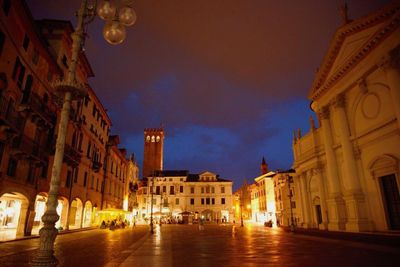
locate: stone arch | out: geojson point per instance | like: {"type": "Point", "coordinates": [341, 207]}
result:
{"type": "Point", "coordinates": [14, 207]}
{"type": "Point", "coordinates": [39, 210]}
{"type": "Point", "coordinates": [87, 214]}
{"type": "Point", "coordinates": [75, 214]}
{"type": "Point", "coordinates": [62, 211]}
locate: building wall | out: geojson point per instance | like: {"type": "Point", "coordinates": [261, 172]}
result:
{"type": "Point", "coordinates": [189, 196]}
{"type": "Point", "coordinates": [33, 55]}
{"type": "Point", "coordinates": [342, 164]}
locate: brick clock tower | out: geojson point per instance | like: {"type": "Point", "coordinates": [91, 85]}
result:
{"type": "Point", "coordinates": [153, 151]}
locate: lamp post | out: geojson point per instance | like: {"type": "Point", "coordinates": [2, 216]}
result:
{"type": "Point", "coordinates": [151, 205]}
{"type": "Point", "coordinates": [114, 33]}
{"type": "Point", "coordinates": [289, 180]}
{"type": "Point", "coordinates": [241, 207]}
{"type": "Point", "coordinates": [161, 205]}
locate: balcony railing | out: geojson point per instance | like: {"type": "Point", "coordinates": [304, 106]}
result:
{"type": "Point", "coordinates": [35, 105]}
{"type": "Point", "coordinates": [25, 146]}
{"type": "Point", "coordinates": [9, 116]}
{"type": "Point", "coordinates": [71, 155]}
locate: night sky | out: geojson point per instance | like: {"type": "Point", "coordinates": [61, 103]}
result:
{"type": "Point", "coordinates": [227, 79]}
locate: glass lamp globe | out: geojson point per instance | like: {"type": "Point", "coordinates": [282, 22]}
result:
{"type": "Point", "coordinates": [106, 11]}
{"type": "Point", "coordinates": [127, 16]}
{"type": "Point", "coordinates": [114, 32]}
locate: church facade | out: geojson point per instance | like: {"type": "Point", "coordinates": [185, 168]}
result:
{"type": "Point", "coordinates": [348, 167]}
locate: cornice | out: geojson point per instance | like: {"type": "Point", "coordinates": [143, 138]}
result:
{"type": "Point", "coordinates": [390, 13]}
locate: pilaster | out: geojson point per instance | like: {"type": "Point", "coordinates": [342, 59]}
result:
{"type": "Point", "coordinates": [334, 202]}
{"type": "Point", "coordinates": [354, 198]}
{"type": "Point", "coordinates": [321, 188]}
{"type": "Point", "coordinates": [390, 64]}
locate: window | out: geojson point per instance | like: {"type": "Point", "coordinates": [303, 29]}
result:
{"type": "Point", "coordinates": [213, 201]}
{"type": "Point", "coordinates": [6, 6]}
{"type": "Point", "coordinates": [68, 180]}
{"type": "Point", "coordinates": [31, 175]}
{"type": "Point", "coordinates": [208, 201]}
{"type": "Point", "coordinates": [64, 61]}
{"type": "Point", "coordinates": [86, 100]}
{"type": "Point", "coordinates": [181, 189]}
{"type": "Point", "coordinates": [208, 190]}
{"type": "Point", "coordinates": [12, 167]}
{"type": "Point", "coordinates": [222, 190]}
{"type": "Point", "coordinates": [25, 43]}
{"type": "Point", "coordinates": [157, 190]}
{"type": "Point", "coordinates": [222, 200]}
{"type": "Point", "coordinates": [2, 41]}
{"type": "Point", "coordinates": [202, 190]}
{"type": "Point", "coordinates": [192, 190]}
{"type": "Point", "coordinates": [88, 151]}
{"type": "Point", "coordinates": [76, 171]}
{"type": "Point", "coordinates": [43, 173]}
{"type": "Point", "coordinates": [85, 179]}
{"type": "Point", "coordinates": [192, 201]}
{"type": "Point", "coordinates": [18, 73]}
{"type": "Point", "coordinates": [164, 189]}
{"type": "Point", "coordinates": [177, 201]}
{"type": "Point", "coordinates": [171, 190]}
{"type": "Point", "coordinates": [212, 190]}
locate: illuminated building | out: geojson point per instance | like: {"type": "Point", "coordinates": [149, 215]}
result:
{"type": "Point", "coordinates": [33, 55]}
{"type": "Point", "coordinates": [178, 193]}
{"type": "Point", "coordinates": [347, 169]}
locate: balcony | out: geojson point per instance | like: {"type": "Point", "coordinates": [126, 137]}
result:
{"type": "Point", "coordinates": [10, 120]}
{"type": "Point", "coordinates": [71, 156]}
{"type": "Point", "coordinates": [39, 112]}
{"type": "Point", "coordinates": [25, 147]}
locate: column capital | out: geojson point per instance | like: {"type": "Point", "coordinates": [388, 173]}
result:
{"type": "Point", "coordinates": [324, 113]}
{"type": "Point", "coordinates": [391, 60]}
{"type": "Point", "coordinates": [339, 101]}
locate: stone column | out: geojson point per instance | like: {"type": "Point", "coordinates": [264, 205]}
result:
{"type": "Point", "coordinates": [354, 198]}
{"type": "Point", "coordinates": [305, 198]}
{"type": "Point", "coordinates": [321, 188]}
{"type": "Point", "coordinates": [335, 203]}
{"type": "Point", "coordinates": [391, 66]}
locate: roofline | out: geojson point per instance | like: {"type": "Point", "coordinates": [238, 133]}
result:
{"type": "Point", "coordinates": [387, 13]}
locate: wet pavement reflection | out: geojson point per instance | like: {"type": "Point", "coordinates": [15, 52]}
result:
{"type": "Point", "coordinates": [216, 245]}
{"type": "Point", "coordinates": [227, 245]}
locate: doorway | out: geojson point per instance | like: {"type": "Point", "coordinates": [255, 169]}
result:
{"type": "Point", "coordinates": [391, 198]}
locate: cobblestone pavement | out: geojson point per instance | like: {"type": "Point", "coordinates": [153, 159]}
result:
{"type": "Point", "coordinates": [216, 245]}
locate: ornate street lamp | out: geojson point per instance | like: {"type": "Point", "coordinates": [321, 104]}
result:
{"type": "Point", "coordinates": [114, 32]}
{"type": "Point", "coordinates": [290, 195]}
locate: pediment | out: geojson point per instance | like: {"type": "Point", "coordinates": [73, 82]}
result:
{"type": "Point", "coordinates": [352, 43]}
{"type": "Point", "coordinates": [207, 176]}
{"type": "Point", "coordinates": [350, 46]}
